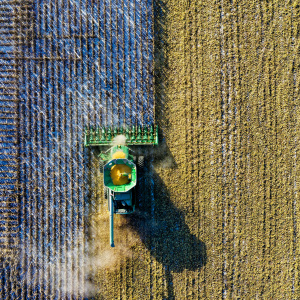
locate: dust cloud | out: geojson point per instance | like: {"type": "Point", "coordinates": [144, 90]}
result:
{"type": "Point", "coordinates": [95, 253]}
{"type": "Point", "coordinates": [119, 140]}
{"type": "Point", "coordinates": [163, 157]}
{"type": "Point", "coordinates": [101, 254]}
{"type": "Point", "coordinates": [101, 257]}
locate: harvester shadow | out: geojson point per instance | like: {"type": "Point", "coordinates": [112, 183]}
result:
{"type": "Point", "coordinates": [162, 229]}
{"type": "Point", "coordinates": [159, 223]}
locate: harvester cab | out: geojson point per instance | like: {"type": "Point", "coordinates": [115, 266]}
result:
{"type": "Point", "coordinates": [119, 170]}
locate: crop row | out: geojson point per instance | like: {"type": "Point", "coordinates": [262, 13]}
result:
{"type": "Point", "coordinates": [224, 217]}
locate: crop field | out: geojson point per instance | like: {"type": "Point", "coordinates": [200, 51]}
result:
{"type": "Point", "coordinates": [218, 214]}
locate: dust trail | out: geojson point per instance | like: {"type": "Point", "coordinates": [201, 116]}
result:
{"type": "Point", "coordinates": [163, 157]}
{"type": "Point", "coordinates": [59, 267]}
{"type": "Point", "coordinates": [100, 257]}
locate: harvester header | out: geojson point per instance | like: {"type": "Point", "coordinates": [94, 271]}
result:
{"type": "Point", "coordinates": [101, 136]}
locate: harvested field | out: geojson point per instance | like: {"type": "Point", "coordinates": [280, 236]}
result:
{"type": "Point", "coordinates": [225, 196]}
{"type": "Point", "coordinates": [218, 214]}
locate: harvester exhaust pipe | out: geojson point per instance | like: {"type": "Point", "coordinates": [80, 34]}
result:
{"type": "Point", "coordinates": [111, 221]}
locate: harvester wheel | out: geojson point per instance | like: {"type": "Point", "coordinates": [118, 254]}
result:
{"type": "Point", "coordinates": [101, 165]}
{"type": "Point", "coordinates": [140, 161]}
{"type": "Point", "coordinates": [105, 193]}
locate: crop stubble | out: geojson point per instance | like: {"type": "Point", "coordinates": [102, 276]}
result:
{"type": "Point", "coordinates": [227, 102]}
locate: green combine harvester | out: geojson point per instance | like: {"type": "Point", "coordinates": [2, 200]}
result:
{"type": "Point", "coordinates": [119, 166]}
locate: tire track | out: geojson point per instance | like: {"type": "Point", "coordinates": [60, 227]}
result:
{"type": "Point", "coordinates": [239, 153]}
{"type": "Point", "coordinates": [201, 113]}
{"type": "Point", "coordinates": [295, 15]}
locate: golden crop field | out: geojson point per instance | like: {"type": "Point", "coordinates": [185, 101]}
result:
{"type": "Point", "coordinates": [224, 222]}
